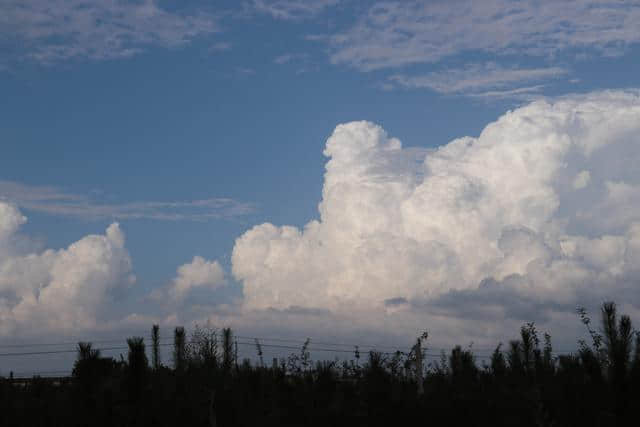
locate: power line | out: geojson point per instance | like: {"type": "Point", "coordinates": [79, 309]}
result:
{"type": "Point", "coordinates": [262, 341]}
{"type": "Point", "coordinates": [318, 342]}
{"type": "Point", "coordinates": [52, 344]}
{"type": "Point", "coordinates": [333, 350]}
{"type": "Point", "coordinates": [288, 347]}
{"type": "Point", "coordinates": [23, 375]}
{"type": "Point", "coordinates": [58, 343]}
{"type": "Point", "coordinates": [34, 353]}
{"type": "Point", "coordinates": [44, 374]}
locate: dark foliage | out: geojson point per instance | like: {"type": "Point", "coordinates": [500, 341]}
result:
{"type": "Point", "coordinates": [524, 385]}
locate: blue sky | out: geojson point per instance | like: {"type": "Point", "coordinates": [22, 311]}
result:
{"type": "Point", "coordinates": [191, 122]}
{"type": "Point", "coordinates": [185, 124]}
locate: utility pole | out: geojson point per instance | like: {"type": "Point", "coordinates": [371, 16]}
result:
{"type": "Point", "coordinates": [417, 350]}
{"type": "Point", "coordinates": [235, 353]}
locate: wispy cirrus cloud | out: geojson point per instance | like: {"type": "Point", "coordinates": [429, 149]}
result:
{"type": "Point", "coordinates": [394, 34]}
{"type": "Point", "coordinates": [220, 47]}
{"type": "Point", "coordinates": [290, 57]}
{"type": "Point", "coordinates": [53, 201]}
{"type": "Point", "coordinates": [488, 80]}
{"type": "Point", "coordinates": [293, 10]}
{"type": "Point", "coordinates": [54, 30]}
{"type": "Point", "coordinates": [526, 93]}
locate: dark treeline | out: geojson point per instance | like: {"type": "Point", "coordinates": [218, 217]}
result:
{"type": "Point", "coordinates": [523, 384]}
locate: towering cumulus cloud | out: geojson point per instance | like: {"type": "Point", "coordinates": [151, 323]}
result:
{"type": "Point", "coordinates": [58, 289]}
{"type": "Point", "coordinates": [544, 205]}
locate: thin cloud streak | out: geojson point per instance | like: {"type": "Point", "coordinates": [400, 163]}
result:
{"type": "Point", "coordinates": [527, 93]}
{"type": "Point", "coordinates": [52, 201]}
{"type": "Point", "coordinates": [293, 10]}
{"type": "Point", "coordinates": [480, 80]}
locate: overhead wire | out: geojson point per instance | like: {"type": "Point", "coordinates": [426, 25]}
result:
{"type": "Point", "coordinates": [265, 342]}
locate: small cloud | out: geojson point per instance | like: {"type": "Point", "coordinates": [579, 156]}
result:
{"type": "Point", "coordinates": [290, 57]}
{"type": "Point", "coordinates": [293, 10]}
{"type": "Point", "coordinates": [316, 37]}
{"type": "Point", "coordinates": [581, 180]}
{"type": "Point", "coordinates": [527, 93]}
{"type": "Point", "coordinates": [386, 86]}
{"type": "Point", "coordinates": [193, 283]}
{"type": "Point", "coordinates": [283, 59]}
{"type": "Point", "coordinates": [219, 47]}
{"type": "Point", "coordinates": [300, 58]}
{"type": "Point", "coordinates": [199, 273]}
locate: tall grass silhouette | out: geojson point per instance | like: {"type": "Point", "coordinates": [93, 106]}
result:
{"type": "Point", "coordinates": [523, 383]}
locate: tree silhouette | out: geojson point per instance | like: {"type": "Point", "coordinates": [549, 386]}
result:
{"type": "Point", "coordinates": [526, 385]}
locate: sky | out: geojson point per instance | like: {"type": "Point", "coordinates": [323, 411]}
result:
{"type": "Point", "coordinates": [351, 171]}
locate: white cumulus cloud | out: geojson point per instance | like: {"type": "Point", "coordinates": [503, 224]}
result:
{"type": "Point", "coordinates": [10, 220]}
{"type": "Point", "coordinates": [63, 289]}
{"type": "Point", "coordinates": [199, 273]}
{"type": "Point", "coordinates": [487, 224]}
